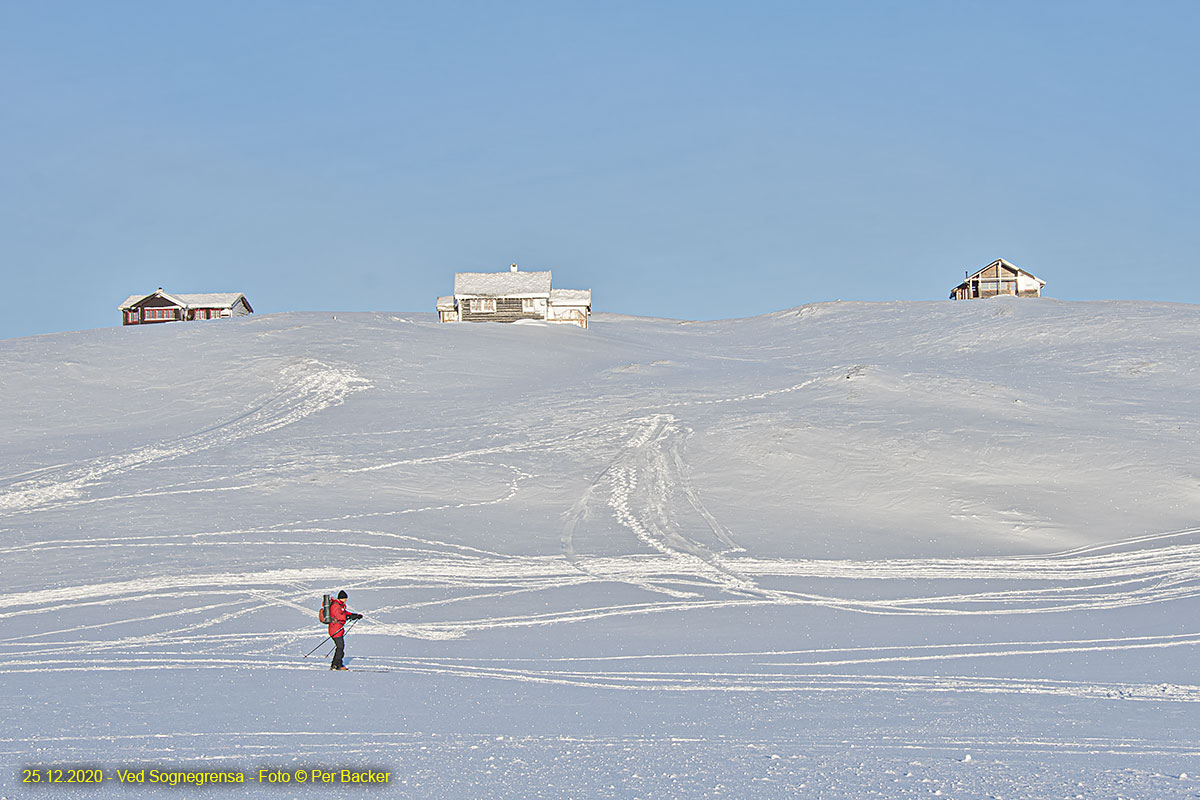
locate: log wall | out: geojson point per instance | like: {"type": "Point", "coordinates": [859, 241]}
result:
{"type": "Point", "coordinates": [508, 309]}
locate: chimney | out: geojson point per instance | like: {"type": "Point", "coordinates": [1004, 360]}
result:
{"type": "Point", "coordinates": [512, 267]}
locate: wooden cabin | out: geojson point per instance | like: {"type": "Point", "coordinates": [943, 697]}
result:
{"type": "Point", "coordinates": [997, 278]}
{"type": "Point", "coordinates": [512, 296]}
{"type": "Point", "coordinates": [159, 306]}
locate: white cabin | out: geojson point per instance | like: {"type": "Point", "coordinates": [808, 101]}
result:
{"type": "Point", "coordinates": [511, 296]}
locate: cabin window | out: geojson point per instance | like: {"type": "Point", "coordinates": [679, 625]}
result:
{"type": "Point", "coordinates": [483, 305]}
{"type": "Point", "coordinates": [529, 304]}
{"type": "Point", "coordinates": [159, 313]}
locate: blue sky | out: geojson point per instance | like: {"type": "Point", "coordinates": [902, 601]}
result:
{"type": "Point", "coordinates": [693, 160]}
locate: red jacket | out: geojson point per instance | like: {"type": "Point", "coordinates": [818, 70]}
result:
{"type": "Point", "coordinates": [337, 618]}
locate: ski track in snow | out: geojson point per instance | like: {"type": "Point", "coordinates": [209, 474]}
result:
{"type": "Point", "coordinates": [681, 571]}
{"type": "Point", "coordinates": [640, 491]}
{"type": "Point", "coordinates": [306, 388]}
{"type": "Point", "coordinates": [801, 676]}
{"type": "Point", "coordinates": [636, 488]}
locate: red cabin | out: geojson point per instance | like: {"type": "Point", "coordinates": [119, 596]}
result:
{"type": "Point", "coordinates": [158, 306]}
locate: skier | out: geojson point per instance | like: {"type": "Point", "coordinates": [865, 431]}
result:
{"type": "Point", "coordinates": [338, 615]}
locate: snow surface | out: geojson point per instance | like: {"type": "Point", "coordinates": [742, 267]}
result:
{"type": "Point", "coordinates": [846, 550]}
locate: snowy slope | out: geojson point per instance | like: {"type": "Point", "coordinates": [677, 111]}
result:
{"type": "Point", "coordinates": [829, 551]}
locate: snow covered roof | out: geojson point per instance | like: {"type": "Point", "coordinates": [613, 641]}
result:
{"type": "Point", "coordinates": [1002, 262]}
{"type": "Point", "coordinates": [570, 297]}
{"type": "Point", "coordinates": [211, 300]}
{"type": "Point", "coordinates": [445, 303]}
{"type": "Point", "coordinates": [134, 299]}
{"type": "Point", "coordinates": [502, 284]}
{"type": "Point", "coordinates": [218, 300]}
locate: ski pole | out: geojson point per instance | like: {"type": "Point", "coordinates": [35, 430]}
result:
{"type": "Point", "coordinates": [322, 644]}
{"type": "Point", "coordinates": [345, 630]}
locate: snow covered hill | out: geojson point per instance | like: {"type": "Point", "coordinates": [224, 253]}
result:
{"type": "Point", "coordinates": [845, 550]}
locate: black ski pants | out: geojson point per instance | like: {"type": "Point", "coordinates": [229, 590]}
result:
{"type": "Point", "coordinates": [339, 650]}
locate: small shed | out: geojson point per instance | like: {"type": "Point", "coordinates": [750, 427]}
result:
{"type": "Point", "coordinates": [998, 278]}
{"type": "Point", "coordinates": [160, 306]}
{"type": "Point", "coordinates": [570, 305]}
{"type": "Point", "coordinates": [446, 309]}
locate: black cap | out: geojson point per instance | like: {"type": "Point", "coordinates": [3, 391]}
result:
{"type": "Point", "coordinates": [342, 595]}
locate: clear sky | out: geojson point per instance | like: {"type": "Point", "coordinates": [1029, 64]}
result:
{"type": "Point", "coordinates": [687, 159]}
